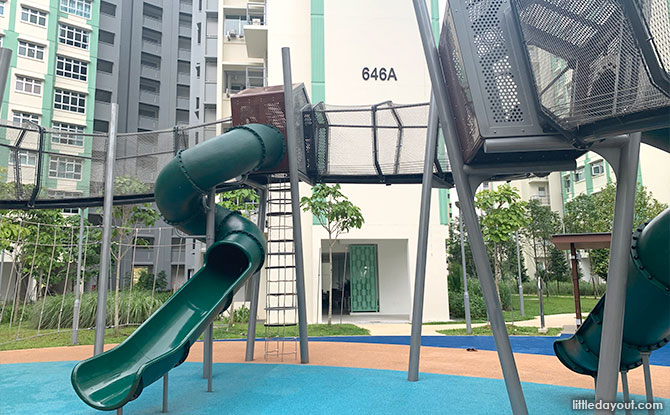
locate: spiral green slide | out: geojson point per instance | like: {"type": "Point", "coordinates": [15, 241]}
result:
{"type": "Point", "coordinates": [646, 325]}
{"type": "Point", "coordinates": [113, 378]}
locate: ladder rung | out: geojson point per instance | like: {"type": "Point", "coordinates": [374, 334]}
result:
{"type": "Point", "coordinates": [280, 325]}
{"type": "Point", "coordinates": [281, 281]}
{"type": "Point", "coordinates": [280, 240]}
{"type": "Point", "coordinates": [280, 267]}
{"type": "Point", "coordinates": [279, 294]}
{"type": "Point", "coordinates": [281, 308]}
{"type": "Point", "coordinates": [281, 253]}
{"type": "Point", "coordinates": [279, 213]}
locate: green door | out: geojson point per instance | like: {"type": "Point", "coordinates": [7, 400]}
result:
{"type": "Point", "coordinates": [363, 274]}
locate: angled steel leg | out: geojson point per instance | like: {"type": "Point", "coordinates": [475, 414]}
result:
{"type": "Point", "coordinates": [165, 393]}
{"type": "Point", "coordinates": [647, 380]}
{"type": "Point", "coordinates": [466, 198]}
{"type": "Point", "coordinates": [615, 301]}
{"type": "Point", "coordinates": [422, 244]}
{"type": "Point", "coordinates": [255, 284]}
{"type": "Point", "coordinates": [626, 393]}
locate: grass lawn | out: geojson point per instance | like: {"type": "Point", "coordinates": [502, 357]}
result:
{"type": "Point", "coordinates": [553, 305]}
{"type": "Point", "coordinates": [52, 338]}
{"type": "Point", "coordinates": [239, 331]}
{"type": "Point", "coordinates": [511, 329]}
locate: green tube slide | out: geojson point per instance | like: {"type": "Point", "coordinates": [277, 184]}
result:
{"type": "Point", "coordinates": [113, 378]}
{"type": "Point", "coordinates": [647, 318]}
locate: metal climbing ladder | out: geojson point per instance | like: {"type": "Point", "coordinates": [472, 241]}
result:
{"type": "Point", "coordinates": [281, 305]}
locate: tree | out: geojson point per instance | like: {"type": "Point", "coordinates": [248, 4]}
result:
{"type": "Point", "coordinates": [243, 201]}
{"type": "Point", "coordinates": [557, 267]}
{"type": "Point", "coordinates": [595, 213]}
{"type": "Point", "coordinates": [503, 213]}
{"type": "Point", "coordinates": [127, 217]}
{"type": "Point", "coordinates": [336, 215]}
{"type": "Point", "coordinates": [542, 224]}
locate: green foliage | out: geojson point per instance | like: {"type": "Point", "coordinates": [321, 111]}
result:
{"type": "Point", "coordinates": [455, 277]}
{"type": "Point", "coordinates": [557, 266]}
{"type": "Point", "coordinates": [595, 213]}
{"type": "Point", "coordinates": [512, 330]}
{"type": "Point", "coordinates": [44, 242]}
{"type": "Point", "coordinates": [503, 213]}
{"type": "Point", "coordinates": [563, 288]}
{"type": "Point", "coordinates": [243, 201]}
{"type": "Point", "coordinates": [338, 214]}
{"type": "Point", "coordinates": [457, 306]}
{"type": "Point", "coordinates": [505, 292]}
{"type": "Point", "coordinates": [146, 281]}
{"type": "Point", "coordinates": [135, 307]}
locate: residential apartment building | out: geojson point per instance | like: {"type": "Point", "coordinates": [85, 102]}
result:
{"type": "Point", "coordinates": [52, 82]}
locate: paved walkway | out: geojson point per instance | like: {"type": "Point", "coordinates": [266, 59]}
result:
{"type": "Point", "coordinates": [404, 329]}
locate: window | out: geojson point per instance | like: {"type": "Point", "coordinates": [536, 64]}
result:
{"type": "Point", "coordinates": [81, 8]}
{"type": "Point", "coordinates": [34, 16]}
{"type": "Point", "coordinates": [152, 36]}
{"type": "Point", "coordinates": [73, 36]}
{"type": "Point", "coordinates": [67, 134]}
{"type": "Point", "coordinates": [26, 158]}
{"type": "Point", "coordinates": [2, 8]}
{"type": "Point", "coordinates": [100, 126]}
{"type": "Point", "coordinates": [541, 191]}
{"type": "Point", "coordinates": [22, 117]}
{"type": "Point", "coordinates": [69, 101]}
{"type": "Point", "coordinates": [152, 12]}
{"type": "Point", "coordinates": [106, 37]}
{"type": "Point", "coordinates": [31, 50]}
{"type": "Point", "coordinates": [71, 68]}
{"type": "Point", "coordinates": [567, 183]}
{"type": "Point", "coordinates": [579, 174]}
{"type": "Point", "coordinates": [103, 96]}
{"type": "Point", "coordinates": [65, 168]}
{"type": "Point", "coordinates": [28, 85]}
{"type": "Point", "coordinates": [598, 168]}
{"type": "Point", "coordinates": [107, 8]}
{"type": "Point", "coordinates": [105, 66]}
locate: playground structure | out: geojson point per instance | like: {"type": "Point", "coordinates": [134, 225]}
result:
{"type": "Point", "coordinates": [498, 121]}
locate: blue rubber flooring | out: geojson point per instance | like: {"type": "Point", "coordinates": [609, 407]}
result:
{"type": "Point", "coordinates": [44, 388]}
{"type": "Point", "coordinates": [520, 344]}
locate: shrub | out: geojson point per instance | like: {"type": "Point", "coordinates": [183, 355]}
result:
{"type": "Point", "coordinates": [133, 309]}
{"type": "Point", "coordinates": [457, 306]}
{"type": "Point", "coordinates": [455, 278]}
{"type": "Point", "coordinates": [5, 317]}
{"type": "Point", "coordinates": [564, 288]}
{"type": "Point", "coordinates": [505, 295]}
{"type": "Point", "coordinates": [241, 315]}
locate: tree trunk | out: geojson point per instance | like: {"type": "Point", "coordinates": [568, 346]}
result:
{"type": "Point", "coordinates": [116, 290]}
{"type": "Point", "coordinates": [231, 319]}
{"type": "Point", "coordinates": [330, 290]}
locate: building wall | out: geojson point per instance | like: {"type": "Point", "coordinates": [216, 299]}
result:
{"type": "Point", "coordinates": [331, 43]}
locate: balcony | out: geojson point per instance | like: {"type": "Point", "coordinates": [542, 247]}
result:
{"type": "Point", "coordinates": [147, 123]}
{"type": "Point", "coordinates": [150, 72]}
{"type": "Point", "coordinates": [183, 78]}
{"type": "Point", "coordinates": [178, 255]}
{"type": "Point", "coordinates": [151, 23]}
{"type": "Point", "coordinates": [149, 97]}
{"type": "Point", "coordinates": [256, 36]}
{"type": "Point", "coordinates": [544, 200]}
{"type": "Point", "coordinates": [184, 54]}
{"type": "Point", "coordinates": [151, 47]}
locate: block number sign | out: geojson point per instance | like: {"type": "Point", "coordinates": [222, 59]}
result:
{"type": "Point", "coordinates": [378, 74]}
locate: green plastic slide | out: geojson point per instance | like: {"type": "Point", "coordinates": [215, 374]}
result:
{"type": "Point", "coordinates": [647, 318]}
{"type": "Point", "coordinates": [113, 378]}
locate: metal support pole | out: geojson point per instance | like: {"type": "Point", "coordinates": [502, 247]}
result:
{"type": "Point", "coordinates": [5, 60]}
{"type": "Point", "coordinates": [101, 314]}
{"type": "Point", "coordinates": [647, 380]}
{"type": "Point", "coordinates": [77, 286]}
{"type": "Point", "coordinates": [165, 393]}
{"type": "Point", "coordinates": [466, 198]}
{"type": "Point", "coordinates": [466, 295]}
{"type": "Point", "coordinates": [255, 284]}
{"type": "Point", "coordinates": [518, 266]}
{"type": "Point", "coordinates": [291, 140]}
{"type": "Point", "coordinates": [626, 392]}
{"type": "Point", "coordinates": [208, 343]}
{"type": "Point", "coordinates": [612, 331]}
{"type": "Point", "coordinates": [119, 411]}
{"type": "Point", "coordinates": [539, 296]}
{"type": "Point", "coordinates": [575, 285]}
{"type": "Point", "coordinates": [422, 243]}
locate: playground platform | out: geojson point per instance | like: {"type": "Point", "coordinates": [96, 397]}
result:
{"type": "Point", "coordinates": [366, 374]}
